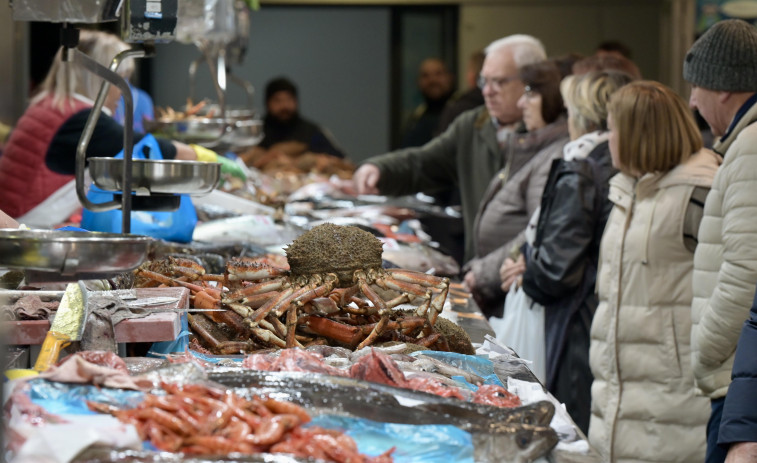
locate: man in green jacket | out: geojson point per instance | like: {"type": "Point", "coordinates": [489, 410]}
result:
{"type": "Point", "coordinates": [474, 148]}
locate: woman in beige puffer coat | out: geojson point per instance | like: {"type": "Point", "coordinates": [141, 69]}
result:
{"type": "Point", "coordinates": [644, 406]}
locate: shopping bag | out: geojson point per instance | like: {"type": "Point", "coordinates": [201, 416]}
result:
{"type": "Point", "coordinates": [175, 226]}
{"type": "Point", "coordinates": [522, 329]}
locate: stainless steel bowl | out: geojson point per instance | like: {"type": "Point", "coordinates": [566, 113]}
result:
{"type": "Point", "coordinates": [72, 254]}
{"type": "Point", "coordinates": [201, 130]}
{"type": "Point", "coordinates": [244, 133]}
{"type": "Point", "coordinates": [173, 177]}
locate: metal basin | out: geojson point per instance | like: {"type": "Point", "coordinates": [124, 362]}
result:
{"type": "Point", "coordinates": [244, 133]}
{"type": "Point", "coordinates": [148, 176]}
{"type": "Point", "coordinates": [201, 130]}
{"type": "Point", "coordinates": [238, 130]}
{"type": "Point", "coordinates": [72, 253]}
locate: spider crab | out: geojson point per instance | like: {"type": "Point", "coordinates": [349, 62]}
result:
{"type": "Point", "coordinates": [338, 264]}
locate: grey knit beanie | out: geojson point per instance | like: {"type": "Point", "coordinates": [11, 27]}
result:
{"type": "Point", "coordinates": [724, 58]}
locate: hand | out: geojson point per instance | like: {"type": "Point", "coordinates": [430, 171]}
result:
{"type": "Point", "coordinates": [227, 165]}
{"type": "Point", "coordinates": [344, 185]}
{"type": "Point", "coordinates": [511, 271]}
{"type": "Point", "coordinates": [230, 167]}
{"type": "Point", "coordinates": [366, 178]}
{"type": "Point", "coordinates": [742, 452]}
{"type": "Point", "coordinates": [469, 281]}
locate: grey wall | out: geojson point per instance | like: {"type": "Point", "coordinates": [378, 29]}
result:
{"type": "Point", "coordinates": [338, 56]}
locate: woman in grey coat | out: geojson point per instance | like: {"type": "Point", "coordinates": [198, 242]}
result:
{"type": "Point", "coordinates": [515, 192]}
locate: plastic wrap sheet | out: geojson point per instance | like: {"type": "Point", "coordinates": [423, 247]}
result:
{"type": "Point", "coordinates": [203, 21]}
{"type": "Point", "coordinates": [71, 11]}
{"type": "Point", "coordinates": [413, 444]}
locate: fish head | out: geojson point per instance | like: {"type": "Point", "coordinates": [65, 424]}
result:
{"type": "Point", "coordinates": [514, 443]}
{"type": "Point", "coordinates": [539, 413]}
{"type": "Point", "coordinates": [534, 442]}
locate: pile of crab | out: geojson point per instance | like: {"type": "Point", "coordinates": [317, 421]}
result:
{"type": "Point", "coordinates": [334, 292]}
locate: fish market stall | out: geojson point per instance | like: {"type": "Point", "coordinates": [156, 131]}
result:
{"type": "Point", "coordinates": [400, 390]}
{"type": "Point", "coordinates": [299, 323]}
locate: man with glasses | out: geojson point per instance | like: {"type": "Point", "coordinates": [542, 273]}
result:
{"type": "Point", "coordinates": [477, 145]}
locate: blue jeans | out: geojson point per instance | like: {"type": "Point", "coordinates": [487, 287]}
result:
{"type": "Point", "coordinates": [715, 454]}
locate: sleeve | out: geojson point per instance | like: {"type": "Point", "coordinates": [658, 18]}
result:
{"type": "Point", "coordinates": [486, 271]}
{"type": "Point", "coordinates": [107, 141]}
{"type": "Point", "coordinates": [428, 168]}
{"type": "Point", "coordinates": [486, 268]}
{"type": "Point", "coordinates": [556, 266]}
{"type": "Point", "coordinates": [323, 142]}
{"type": "Point", "coordinates": [722, 318]}
{"type": "Point", "coordinates": [739, 420]}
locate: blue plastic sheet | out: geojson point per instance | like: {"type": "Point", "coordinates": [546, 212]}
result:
{"type": "Point", "coordinates": [414, 443]}
{"type": "Point", "coordinates": [480, 366]}
{"type": "Point", "coordinates": [68, 398]}
{"type": "Point", "coordinates": [177, 346]}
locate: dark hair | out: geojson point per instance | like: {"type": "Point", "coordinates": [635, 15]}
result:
{"type": "Point", "coordinates": [544, 78]}
{"type": "Point", "coordinates": [615, 45]}
{"type": "Point", "coordinates": [279, 84]}
{"type": "Point", "coordinates": [476, 60]}
{"type": "Point", "coordinates": [597, 63]}
{"type": "Point", "coordinates": [565, 62]}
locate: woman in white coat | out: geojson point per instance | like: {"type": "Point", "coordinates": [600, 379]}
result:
{"type": "Point", "coordinates": [644, 407]}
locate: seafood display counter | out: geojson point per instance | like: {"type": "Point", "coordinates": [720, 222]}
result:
{"type": "Point", "coordinates": [320, 353]}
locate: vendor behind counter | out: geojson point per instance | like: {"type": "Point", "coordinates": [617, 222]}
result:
{"type": "Point", "coordinates": [40, 156]}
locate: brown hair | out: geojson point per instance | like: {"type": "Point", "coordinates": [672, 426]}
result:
{"type": "Point", "coordinates": [656, 130]}
{"type": "Point", "coordinates": [544, 78]}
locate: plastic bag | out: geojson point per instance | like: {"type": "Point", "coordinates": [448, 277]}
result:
{"type": "Point", "coordinates": [522, 329]}
{"type": "Point", "coordinates": [175, 226]}
{"type": "Point", "coordinates": [161, 349]}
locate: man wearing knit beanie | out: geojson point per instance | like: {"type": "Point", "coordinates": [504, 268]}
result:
{"type": "Point", "coordinates": [722, 68]}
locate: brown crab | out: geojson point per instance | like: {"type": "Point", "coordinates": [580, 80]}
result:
{"type": "Point", "coordinates": [332, 263]}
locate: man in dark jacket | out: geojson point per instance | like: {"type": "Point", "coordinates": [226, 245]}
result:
{"type": "Point", "coordinates": [283, 122]}
{"type": "Point", "coordinates": [436, 85]}
{"type": "Point", "coordinates": [738, 425]}
{"type": "Point", "coordinates": [474, 148]}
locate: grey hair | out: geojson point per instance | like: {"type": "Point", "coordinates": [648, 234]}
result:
{"type": "Point", "coordinates": [64, 79]}
{"type": "Point", "coordinates": [526, 49]}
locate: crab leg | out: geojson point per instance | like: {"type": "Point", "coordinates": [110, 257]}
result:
{"type": "Point", "coordinates": [419, 278]}
{"type": "Point", "coordinates": [401, 286]}
{"type": "Point", "coordinates": [339, 332]}
{"type": "Point", "coordinates": [291, 325]}
{"type": "Point", "coordinates": [404, 324]}
{"type": "Point", "coordinates": [276, 325]}
{"type": "Point", "coordinates": [230, 318]}
{"type": "Point", "coordinates": [168, 280]}
{"type": "Point", "coordinates": [201, 331]}
{"type": "Point", "coordinates": [401, 299]}
{"type": "Point", "coordinates": [237, 270]}
{"type": "Point", "coordinates": [254, 289]}
{"type": "Point", "coordinates": [438, 305]}
{"type": "Point", "coordinates": [186, 267]}
{"type": "Point", "coordinates": [343, 297]}
{"type": "Point", "coordinates": [266, 308]}
{"type": "Point", "coordinates": [379, 304]}
{"type": "Point", "coordinates": [298, 302]}
{"type": "Point", "coordinates": [362, 311]}
{"type": "Point", "coordinates": [240, 309]}
{"type": "Point", "coordinates": [268, 336]}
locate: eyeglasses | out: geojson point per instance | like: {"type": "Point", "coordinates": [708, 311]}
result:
{"type": "Point", "coordinates": [529, 92]}
{"type": "Point", "coordinates": [495, 82]}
